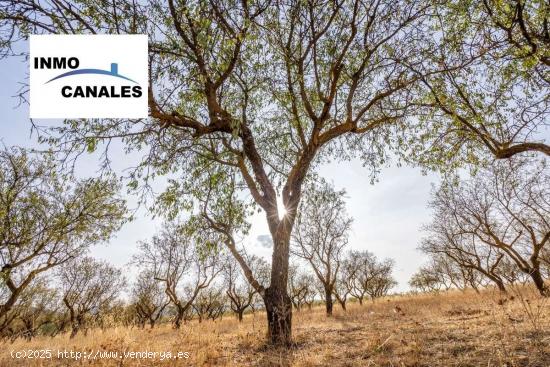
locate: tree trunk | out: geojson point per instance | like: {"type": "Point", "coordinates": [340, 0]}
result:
{"type": "Point", "coordinates": [500, 285]}
{"type": "Point", "coordinates": [6, 271]}
{"type": "Point", "coordinates": [76, 324]}
{"type": "Point", "coordinates": [360, 300]}
{"type": "Point", "coordinates": [74, 329]}
{"type": "Point", "coordinates": [341, 301]}
{"type": "Point", "coordinates": [539, 282]}
{"type": "Point", "coordinates": [328, 301]}
{"type": "Point", "coordinates": [240, 315]}
{"type": "Point", "coordinates": [278, 304]}
{"type": "Point", "coordinates": [279, 316]}
{"type": "Point", "coordinates": [497, 280]}
{"type": "Point", "coordinates": [177, 320]}
{"type": "Point", "coordinates": [474, 287]}
{"type": "Point", "coordinates": [7, 306]}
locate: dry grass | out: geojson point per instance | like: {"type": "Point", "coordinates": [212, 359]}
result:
{"type": "Point", "coordinates": [453, 329]}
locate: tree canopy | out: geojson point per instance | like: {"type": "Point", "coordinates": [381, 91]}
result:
{"type": "Point", "coordinates": [47, 218]}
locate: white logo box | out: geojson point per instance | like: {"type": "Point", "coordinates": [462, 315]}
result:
{"type": "Point", "coordinates": [116, 62]}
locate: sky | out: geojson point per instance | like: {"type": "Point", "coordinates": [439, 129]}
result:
{"type": "Point", "coordinates": [387, 215]}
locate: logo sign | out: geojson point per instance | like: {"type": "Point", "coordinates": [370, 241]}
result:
{"type": "Point", "coordinates": [88, 76]}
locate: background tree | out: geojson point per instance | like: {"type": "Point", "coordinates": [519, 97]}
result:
{"type": "Point", "coordinates": [545, 261]}
{"type": "Point", "coordinates": [425, 280]}
{"type": "Point", "coordinates": [342, 290]}
{"type": "Point", "coordinates": [240, 292]}
{"type": "Point", "coordinates": [210, 303]}
{"type": "Point", "coordinates": [511, 274]}
{"type": "Point", "coordinates": [503, 211]}
{"type": "Point", "coordinates": [363, 275]}
{"type": "Point", "coordinates": [148, 298]}
{"type": "Point", "coordinates": [444, 272]}
{"type": "Point", "coordinates": [462, 249]}
{"type": "Point", "coordinates": [381, 280]}
{"type": "Point", "coordinates": [181, 265]}
{"type": "Point", "coordinates": [38, 309]}
{"type": "Point", "coordinates": [88, 286]}
{"type": "Point", "coordinates": [461, 277]}
{"type": "Point", "coordinates": [311, 294]}
{"type": "Point", "coordinates": [35, 310]}
{"type": "Point", "coordinates": [267, 90]}
{"type": "Point", "coordinates": [321, 233]}
{"type": "Point", "coordinates": [301, 287]}
{"type": "Point", "coordinates": [114, 314]}
{"type": "Point", "coordinates": [47, 219]}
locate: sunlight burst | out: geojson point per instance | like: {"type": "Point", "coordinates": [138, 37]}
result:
{"type": "Point", "coordinates": [281, 210]}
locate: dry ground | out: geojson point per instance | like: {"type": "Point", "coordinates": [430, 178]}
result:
{"type": "Point", "coordinates": [452, 329]}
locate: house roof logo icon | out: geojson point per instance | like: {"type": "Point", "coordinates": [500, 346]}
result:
{"type": "Point", "coordinates": [113, 72]}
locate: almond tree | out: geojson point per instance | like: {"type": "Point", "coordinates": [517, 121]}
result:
{"type": "Point", "coordinates": [88, 287]}
{"type": "Point", "coordinates": [37, 307]}
{"type": "Point", "coordinates": [509, 271]}
{"type": "Point", "coordinates": [463, 250]}
{"type": "Point", "coordinates": [425, 280]}
{"type": "Point", "coordinates": [183, 267]}
{"type": "Point", "coordinates": [264, 90]}
{"type": "Point", "coordinates": [378, 280]}
{"type": "Point", "coordinates": [210, 303]}
{"type": "Point", "coordinates": [240, 292]}
{"type": "Point", "coordinates": [149, 298]}
{"type": "Point", "coordinates": [364, 275]}
{"type": "Point", "coordinates": [301, 287]}
{"type": "Point", "coordinates": [40, 310]}
{"type": "Point", "coordinates": [47, 219]}
{"type": "Point", "coordinates": [342, 290]}
{"type": "Point", "coordinates": [443, 272]}
{"type": "Point", "coordinates": [504, 210]}
{"type": "Point", "coordinates": [451, 273]}
{"type": "Point", "coordinates": [345, 282]}
{"type": "Point", "coordinates": [320, 235]}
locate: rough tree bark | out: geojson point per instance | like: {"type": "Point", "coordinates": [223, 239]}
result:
{"type": "Point", "coordinates": [341, 301]}
{"type": "Point", "coordinates": [539, 281]}
{"type": "Point", "coordinates": [328, 300]}
{"type": "Point", "coordinates": [278, 304]}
